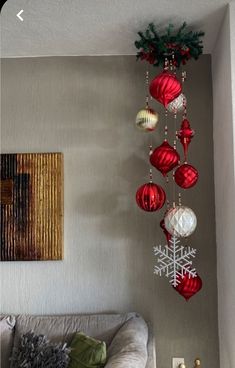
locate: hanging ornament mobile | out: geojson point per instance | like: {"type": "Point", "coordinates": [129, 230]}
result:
{"type": "Point", "coordinates": [185, 136]}
{"type": "Point", "coordinates": [165, 88]}
{"type": "Point", "coordinates": [164, 158]}
{"type": "Point", "coordinates": [147, 118]}
{"type": "Point", "coordinates": [188, 286]}
{"type": "Point", "coordinates": [180, 221]}
{"type": "Point", "coordinates": [167, 234]}
{"type": "Point", "coordinates": [177, 105]}
{"type": "Point", "coordinates": [174, 261]}
{"type": "Point", "coordinates": [170, 50]}
{"type": "Point", "coordinates": [186, 176]}
{"type": "Point", "coordinates": [155, 47]}
{"type": "Point", "coordinates": [150, 196]}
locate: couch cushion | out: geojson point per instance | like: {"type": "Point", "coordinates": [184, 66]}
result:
{"type": "Point", "coordinates": [61, 328]}
{"type": "Point", "coordinates": [129, 346]}
{"type": "Point", "coordinates": [7, 324]}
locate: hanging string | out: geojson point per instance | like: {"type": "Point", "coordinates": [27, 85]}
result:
{"type": "Point", "coordinates": [166, 64]}
{"type": "Point", "coordinates": [174, 142]}
{"type": "Point", "coordinates": [147, 89]}
{"type": "Point", "coordinates": [173, 182]}
{"type": "Point", "coordinates": [150, 175]}
{"type": "Point", "coordinates": [166, 125]}
{"type": "Point", "coordinates": [173, 187]}
{"type": "Point", "coordinates": [173, 63]}
{"type": "Point", "coordinates": [175, 128]}
{"type": "Point", "coordinates": [166, 135]}
{"type": "Point", "coordinates": [183, 78]}
{"type": "Point", "coordinates": [167, 204]}
{"type": "Point", "coordinates": [175, 112]}
{"type": "Point", "coordinates": [179, 199]}
{"type": "Point", "coordinates": [147, 107]}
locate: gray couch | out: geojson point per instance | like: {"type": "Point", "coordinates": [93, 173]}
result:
{"type": "Point", "coordinates": [129, 339]}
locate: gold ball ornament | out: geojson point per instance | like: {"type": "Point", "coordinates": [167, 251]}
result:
{"type": "Point", "coordinates": [197, 363]}
{"type": "Point", "coordinates": [147, 119]}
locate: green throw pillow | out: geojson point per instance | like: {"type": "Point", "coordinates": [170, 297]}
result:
{"type": "Point", "coordinates": [87, 352]}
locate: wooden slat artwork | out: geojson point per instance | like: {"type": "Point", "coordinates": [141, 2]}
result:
{"type": "Point", "coordinates": [31, 207]}
{"type": "Point", "coordinates": [6, 190]}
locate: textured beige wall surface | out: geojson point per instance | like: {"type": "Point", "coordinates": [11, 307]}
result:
{"type": "Point", "coordinates": [224, 152]}
{"type": "Point", "coordinates": [85, 107]}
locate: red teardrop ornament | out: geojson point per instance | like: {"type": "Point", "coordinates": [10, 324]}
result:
{"type": "Point", "coordinates": [186, 176]}
{"type": "Point", "coordinates": [185, 135]}
{"type": "Point", "coordinates": [165, 88]}
{"type": "Point", "coordinates": [150, 197]}
{"type": "Point", "coordinates": [168, 235]}
{"type": "Point", "coordinates": [164, 158]}
{"type": "Point", "coordinates": [188, 286]}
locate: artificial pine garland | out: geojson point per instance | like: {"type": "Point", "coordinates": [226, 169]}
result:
{"type": "Point", "coordinates": [178, 46]}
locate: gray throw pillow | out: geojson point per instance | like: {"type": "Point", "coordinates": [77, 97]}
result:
{"type": "Point", "coordinates": [35, 351]}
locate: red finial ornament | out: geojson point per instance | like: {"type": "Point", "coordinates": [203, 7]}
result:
{"type": "Point", "coordinates": [186, 176]}
{"type": "Point", "coordinates": [150, 197]}
{"type": "Point", "coordinates": [165, 158]}
{"type": "Point", "coordinates": [185, 135]}
{"type": "Point", "coordinates": [165, 88]}
{"type": "Point", "coordinates": [188, 286]}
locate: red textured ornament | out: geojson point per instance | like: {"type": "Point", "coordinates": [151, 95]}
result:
{"type": "Point", "coordinates": [150, 197]}
{"type": "Point", "coordinates": [186, 176]}
{"type": "Point", "coordinates": [165, 88]}
{"type": "Point", "coordinates": [168, 235]}
{"type": "Point", "coordinates": [185, 135]}
{"type": "Point", "coordinates": [165, 158]}
{"type": "Point", "coordinates": [188, 286]}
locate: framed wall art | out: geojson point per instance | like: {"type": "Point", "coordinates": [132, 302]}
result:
{"type": "Point", "coordinates": [31, 206]}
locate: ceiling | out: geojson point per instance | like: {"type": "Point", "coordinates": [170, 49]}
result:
{"type": "Point", "coordinates": [98, 27]}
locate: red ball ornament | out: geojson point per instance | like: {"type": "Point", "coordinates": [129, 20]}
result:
{"type": "Point", "coordinates": [165, 158]}
{"type": "Point", "coordinates": [185, 135]}
{"type": "Point", "coordinates": [186, 176]}
{"type": "Point", "coordinates": [188, 286]}
{"type": "Point", "coordinates": [150, 197]}
{"type": "Point", "coordinates": [168, 235]}
{"type": "Point", "coordinates": [165, 88]}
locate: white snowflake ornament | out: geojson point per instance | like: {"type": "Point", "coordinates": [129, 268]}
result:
{"type": "Point", "coordinates": [174, 261]}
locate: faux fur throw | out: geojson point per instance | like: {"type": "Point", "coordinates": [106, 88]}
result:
{"type": "Point", "coordinates": [35, 351]}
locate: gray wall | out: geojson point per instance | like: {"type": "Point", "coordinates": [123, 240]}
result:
{"type": "Point", "coordinates": [223, 67]}
{"type": "Point", "coordinates": [85, 107]}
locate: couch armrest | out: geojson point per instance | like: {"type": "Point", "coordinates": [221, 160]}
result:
{"type": "Point", "coordinates": [129, 346]}
{"type": "Point", "coordinates": [151, 362]}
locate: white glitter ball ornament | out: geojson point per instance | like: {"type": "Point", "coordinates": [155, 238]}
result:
{"type": "Point", "coordinates": [178, 104]}
{"type": "Point", "coordinates": [180, 221]}
{"type": "Point", "coordinates": [147, 119]}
